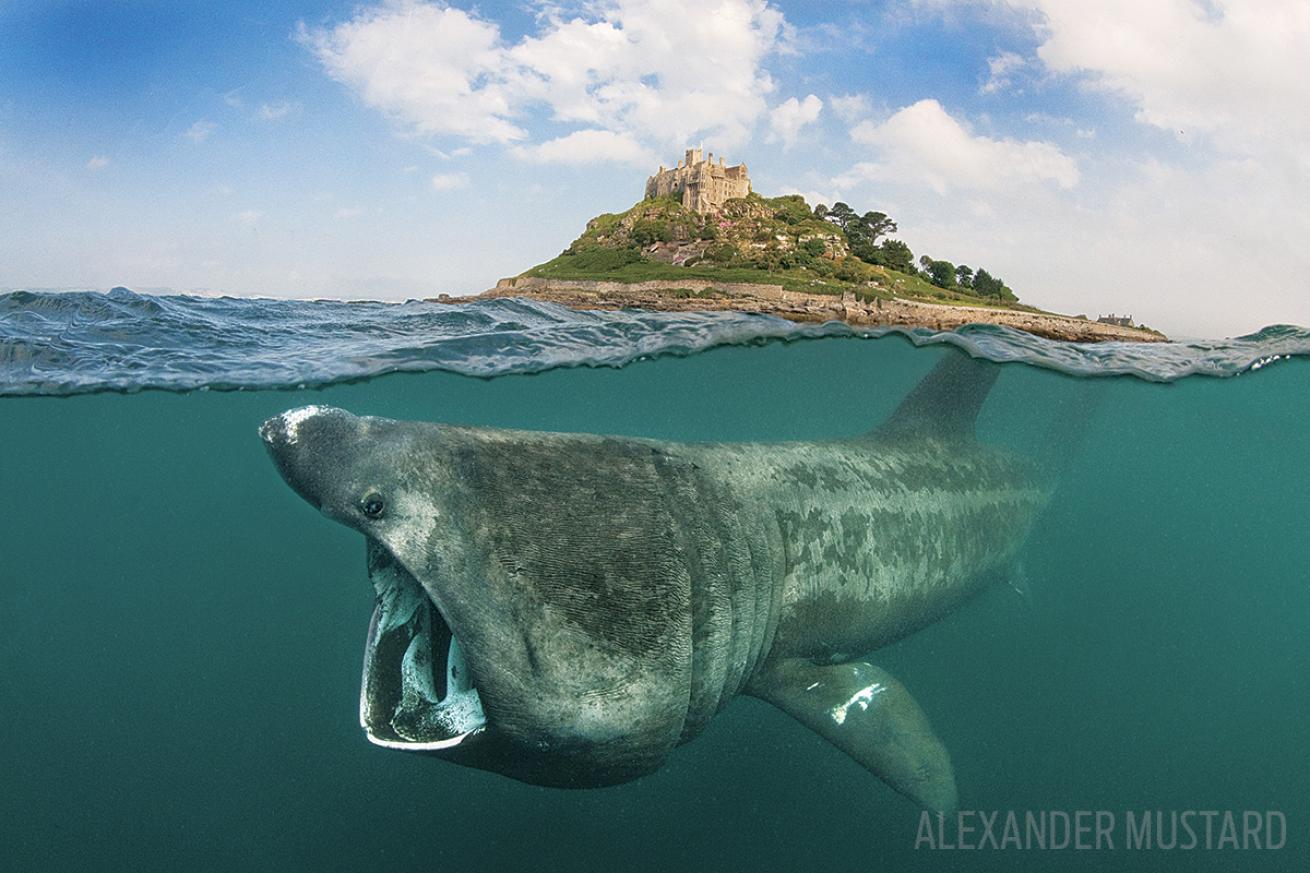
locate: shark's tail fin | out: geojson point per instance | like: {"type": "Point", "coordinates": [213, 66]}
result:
{"type": "Point", "coordinates": [946, 402]}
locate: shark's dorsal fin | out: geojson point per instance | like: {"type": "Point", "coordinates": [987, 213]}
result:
{"type": "Point", "coordinates": [945, 403]}
{"type": "Point", "coordinates": [862, 710]}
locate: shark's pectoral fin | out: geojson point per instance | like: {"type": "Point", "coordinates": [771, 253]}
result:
{"type": "Point", "coordinates": [870, 716]}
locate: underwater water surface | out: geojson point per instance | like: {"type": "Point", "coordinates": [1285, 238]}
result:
{"type": "Point", "coordinates": [180, 660]}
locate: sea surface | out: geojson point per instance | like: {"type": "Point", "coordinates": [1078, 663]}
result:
{"type": "Point", "coordinates": [181, 635]}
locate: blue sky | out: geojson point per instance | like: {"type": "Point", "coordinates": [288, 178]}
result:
{"type": "Point", "coordinates": [1150, 157]}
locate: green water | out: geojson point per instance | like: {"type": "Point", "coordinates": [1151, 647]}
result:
{"type": "Point", "coordinates": [182, 637]}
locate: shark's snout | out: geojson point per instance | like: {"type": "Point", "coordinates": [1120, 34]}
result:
{"type": "Point", "coordinates": [285, 428]}
{"type": "Point", "coordinates": [310, 445]}
{"type": "Point", "coordinates": [273, 430]}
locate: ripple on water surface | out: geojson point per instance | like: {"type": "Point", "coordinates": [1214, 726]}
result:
{"type": "Point", "coordinates": [59, 343]}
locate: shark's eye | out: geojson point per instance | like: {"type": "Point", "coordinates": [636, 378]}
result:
{"type": "Point", "coordinates": [373, 505]}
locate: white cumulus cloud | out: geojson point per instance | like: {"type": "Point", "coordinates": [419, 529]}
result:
{"type": "Point", "coordinates": [433, 68]}
{"type": "Point", "coordinates": [200, 130]}
{"type": "Point", "coordinates": [787, 118]}
{"type": "Point", "coordinates": [1000, 71]}
{"type": "Point", "coordinates": [923, 143]}
{"type": "Point", "coordinates": [850, 107]}
{"type": "Point", "coordinates": [450, 181]}
{"type": "Point", "coordinates": [588, 147]}
{"type": "Point", "coordinates": [277, 111]}
{"type": "Point", "coordinates": [1235, 71]}
{"type": "Point", "coordinates": [660, 72]}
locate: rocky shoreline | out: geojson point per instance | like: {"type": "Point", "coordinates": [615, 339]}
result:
{"type": "Point", "coordinates": [698, 295]}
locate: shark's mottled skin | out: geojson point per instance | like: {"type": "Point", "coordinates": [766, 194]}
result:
{"type": "Point", "coordinates": [607, 596]}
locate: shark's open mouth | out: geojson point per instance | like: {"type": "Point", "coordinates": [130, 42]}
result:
{"type": "Point", "coordinates": [416, 692]}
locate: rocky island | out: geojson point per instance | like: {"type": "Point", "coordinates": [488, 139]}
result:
{"type": "Point", "coordinates": [701, 239]}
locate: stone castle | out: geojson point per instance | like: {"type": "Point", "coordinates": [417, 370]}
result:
{"type": "Point", "coordinates": [705, 186]}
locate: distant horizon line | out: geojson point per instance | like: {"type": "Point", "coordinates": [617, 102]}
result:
{"type": "Point", "coordinates": [166, 291]}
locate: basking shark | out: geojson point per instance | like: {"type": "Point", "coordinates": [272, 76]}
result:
{"type": "Point", "coordinates": [566, 609]}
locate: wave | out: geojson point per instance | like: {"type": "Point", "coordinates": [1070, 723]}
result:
{"type": "Point", "coordinates": [63, 343]}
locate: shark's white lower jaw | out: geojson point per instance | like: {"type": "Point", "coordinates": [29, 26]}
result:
{"type": "Point", "coordinates": [421, 746]}
{"type": "Point", "coordinates": [416, 693]}
{"type": "Point", "coordinates": [422, 713]}
{"type": "Point", "coordinates": [406, 746]}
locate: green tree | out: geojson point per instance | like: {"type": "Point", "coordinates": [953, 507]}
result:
{"type": "Point", "coordinates": [813, 247]}
{"type": "Point", "coordinates": [941, 274]}
{"type": "Point", "coordinates": [895, 255]}
{"type": "Point", "coordinates": [987, 285]}
{"type": "Point", "coordinates": [964, 275]}
{"type": "Point", "coordinates": [875, 225]}
{"type": "Point", "coordinates": [863, 249]}
{"type": "Point", "coordinates": [841, 215]}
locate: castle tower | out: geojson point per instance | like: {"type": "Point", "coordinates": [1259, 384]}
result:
{"type": "Point", "coordinates": [701, 184]}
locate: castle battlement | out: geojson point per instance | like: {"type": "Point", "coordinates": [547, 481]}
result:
{"type": "Point", "coordinates": [705, 186]}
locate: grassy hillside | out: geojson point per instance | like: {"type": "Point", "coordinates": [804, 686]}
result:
{"type": "Point", "coordinates": [774, 240]}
